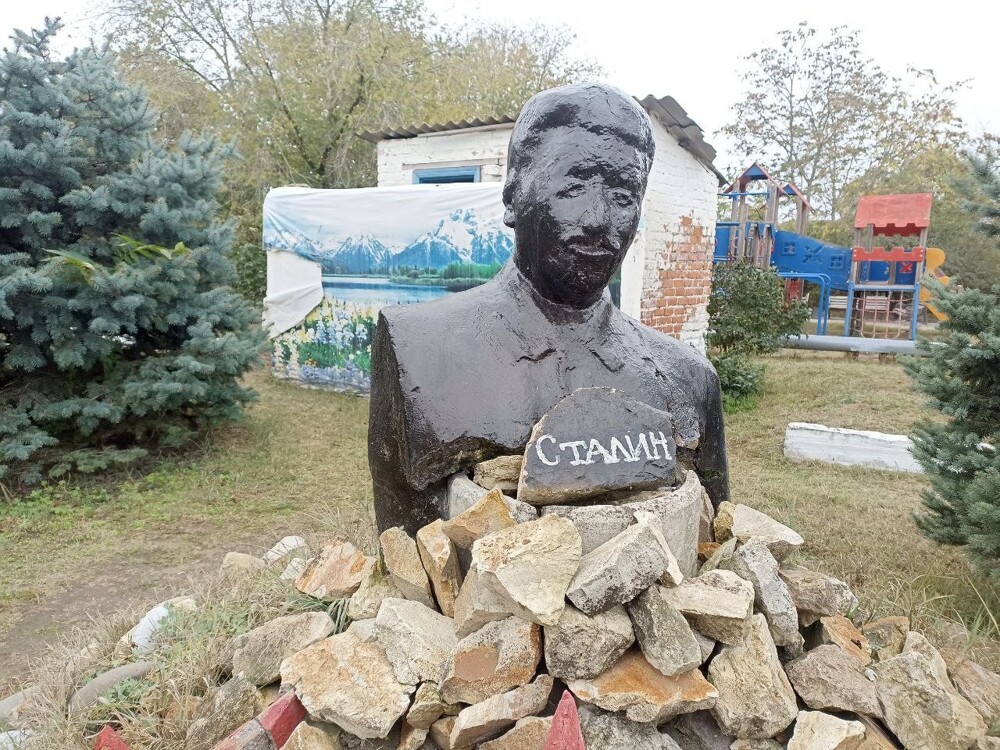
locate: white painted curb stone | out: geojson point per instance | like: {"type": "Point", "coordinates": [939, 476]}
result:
{"type": "Point", "coordinates": [836, 445]}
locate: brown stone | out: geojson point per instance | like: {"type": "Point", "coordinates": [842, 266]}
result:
{"type": "Point", "coordinates": [707, 549]}
{"type": "Point", "coordinates": [829, 679]}
{"type": "Point", "coordinates": [399, 551]}
{"type": "Point", "coordinates": [497, 657]}
{"type": "Point", "coordinates": [411, 738]}
{"type": "Point", "coordinates": [441, 732]}
{"type": "Point", "coordinates": [489, 719]}
{"type": "Point", "coordinates": [636, 687]}
{"type": "Point", "coordinates": [817, 595]}
{"type": "Point", "coordinates": [499, 473]}
{"type": "Point", "coordinates": [428, 706]}
{"type": "Point", "coordinates": [336, 572]}
{"type": "Point", "coordinates": [840, 631]}
{"type": "Point", "coordinates": [978, 686]}
{"type": "Point", "coordinates": [877, 737]}
{"type": "Point", "coordinates": [886, 636]}
{"type": "Point", "coordinates": [528, 733]}
{"type": "Point", "coordinates": [440, 559]}
{"type": "Point", "coordinates": [489, 514]}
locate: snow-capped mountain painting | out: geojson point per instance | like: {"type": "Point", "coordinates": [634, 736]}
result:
{"type": "Point", "coordinates": [368, 248]}
{"type": "Point", "coordinates": [422, 227]}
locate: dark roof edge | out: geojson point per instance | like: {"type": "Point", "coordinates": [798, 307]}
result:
{"type": "Point", "coordinates": [425, 128]}
{"type": "Point", "coordinates": [687, 132]}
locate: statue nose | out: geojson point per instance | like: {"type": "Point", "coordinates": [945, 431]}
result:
{"type": "Point", "coordinates": [595, 212]}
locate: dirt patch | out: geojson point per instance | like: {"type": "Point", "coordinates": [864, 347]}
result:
{"type": "Point", "coordinates": [121, 582]}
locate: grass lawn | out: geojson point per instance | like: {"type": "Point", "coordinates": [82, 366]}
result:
{"type": "Point", "coordinates": [298, 463]}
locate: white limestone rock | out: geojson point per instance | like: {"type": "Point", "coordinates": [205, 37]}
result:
{"type": "Point", "coordinates": [756, 700]}
{"type": "Point", "coordinates": [664, 636]}
{"type": "Point", "coordinates": [579, 647]}
{"type": "Point", "coordinates": [492, 717]}
{"type": "Point", "coordinates": [529, 566]}
{"type": "Point", "coordinates": [815, 730]}
{"type": "Point", "coordinates": [499, 656]}
{"type": "Point", "coordinates": [477, 605]}
{"type": "Point", "coordinates": [440, 559]}
{"type": "Point", "coordinates": [348, 681]}
{"type": "Point", "coordinates": [718, 604]}
{"type": "Point", "coordinates": [399, 551]}
{"type": "Point", "coordinates": [374, 589]}
{"type": "Point", "coordinates": [754, 562]}
{"type": "Point", "coordinates": [746, 523]}
{"type": "Point", "coordinates": [258, 654]}
{"type": "Point", "coordinates": [817, 595]}
{"type": "Point", "coordinates": [416, 640]}
{"type": "Point", "coordinates": [922, 708]}
{"type": "Point", "coordinates": [287, 548]}
{"type": "Point", "coordinates": [620, 569]}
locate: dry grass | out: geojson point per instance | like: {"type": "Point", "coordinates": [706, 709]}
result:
{"type": "Point", "coordinates": [190, 660]}
{"type": "Point", "coordinates": [857, 522]}
{"type": "Point", "coordinates": [296, 464]}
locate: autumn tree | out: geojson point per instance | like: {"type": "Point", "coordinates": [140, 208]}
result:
{"type": "Point", "coordinates": [292, 82]}
{"type": "Point", "coordinates": [824, 115]}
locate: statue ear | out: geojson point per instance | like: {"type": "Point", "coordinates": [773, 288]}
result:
{"type": "Point", "coordinates": [508, 199]}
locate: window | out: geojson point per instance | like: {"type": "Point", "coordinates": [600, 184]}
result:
{"type": "Point", "coordinates": [445, 175]}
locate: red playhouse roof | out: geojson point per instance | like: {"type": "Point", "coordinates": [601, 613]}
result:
{"type": "Point", "coordinates": [904, 215]}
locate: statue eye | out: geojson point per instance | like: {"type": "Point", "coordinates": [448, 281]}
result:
{"type": "Point", "coordinates": [572, 190]}
{"type": "Point", "coordinates": [623, 198]}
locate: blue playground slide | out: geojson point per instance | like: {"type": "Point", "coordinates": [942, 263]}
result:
{"type": "Point", "coordinates": [806, 256]}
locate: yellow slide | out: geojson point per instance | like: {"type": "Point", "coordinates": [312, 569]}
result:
{"type": "Point", "coordinates": [933, 260]}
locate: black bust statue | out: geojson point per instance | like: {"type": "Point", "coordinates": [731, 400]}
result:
{"type": "Point", "coordinates": [464, 378]}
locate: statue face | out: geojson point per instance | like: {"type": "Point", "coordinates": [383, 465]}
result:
{"type": "Point", "coordinates": [575, 212]}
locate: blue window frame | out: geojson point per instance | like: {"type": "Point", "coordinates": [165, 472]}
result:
{"type": "Point", "coordinates": [445, 175]}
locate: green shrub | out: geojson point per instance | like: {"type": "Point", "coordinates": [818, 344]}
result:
{"type": "Point", "coordinates": [109, 346]}
{"type": "Point", "coordinates": [748, 317]}
{"type": "Point", "coordinates": [961, 454]}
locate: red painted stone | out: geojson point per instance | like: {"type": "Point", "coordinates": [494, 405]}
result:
{"type": "Point", "coordinates": [250, 736]}
{"type": "Point", "coordinates": [281, 717]}
{"type": "Point", "coordinates": [109, 739]}
{"type": "Point", "coordinates": [565, 733]}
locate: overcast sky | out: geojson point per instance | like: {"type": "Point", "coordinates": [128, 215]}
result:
{"type": "Point", "coordinates": [693, 51]}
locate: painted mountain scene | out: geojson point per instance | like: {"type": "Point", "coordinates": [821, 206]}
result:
{"type": "Point", "coordinates": [378, 247]}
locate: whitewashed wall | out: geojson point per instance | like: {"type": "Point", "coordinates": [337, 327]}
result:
{"type": "Point", "coordinates": [484, 147]}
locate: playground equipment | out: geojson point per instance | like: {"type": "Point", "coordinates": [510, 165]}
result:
{"type": "Point", "coordinates": [878, 288]}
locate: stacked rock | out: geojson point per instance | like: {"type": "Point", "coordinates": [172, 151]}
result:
{"type": "Point", "coordinates": [465, 636]}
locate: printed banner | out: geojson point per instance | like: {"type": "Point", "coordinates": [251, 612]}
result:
{"type": "Point", "coordinates": [365, 249]}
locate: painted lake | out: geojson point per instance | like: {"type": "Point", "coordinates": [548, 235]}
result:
{"type": "Point", "coordinates": [378, 292]}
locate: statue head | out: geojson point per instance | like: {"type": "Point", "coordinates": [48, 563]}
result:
{"type": "Point", "coordinates": [577, 166]}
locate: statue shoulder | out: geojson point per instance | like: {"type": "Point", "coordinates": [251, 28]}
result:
{"type": "Point", "coordinates": [676, 354]}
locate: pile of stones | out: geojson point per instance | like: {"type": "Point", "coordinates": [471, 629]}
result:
{"type": "Point", "coordinates": [671, 624]}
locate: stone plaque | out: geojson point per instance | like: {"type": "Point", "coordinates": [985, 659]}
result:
{"type": "Point", "coordinates": [595, 441]}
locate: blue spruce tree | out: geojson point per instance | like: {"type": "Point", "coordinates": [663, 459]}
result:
{"type": "Point", "coordinates": [119, 332]}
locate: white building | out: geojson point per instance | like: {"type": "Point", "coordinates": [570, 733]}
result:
{"type": "Point", "coordinates": [667, 274]}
